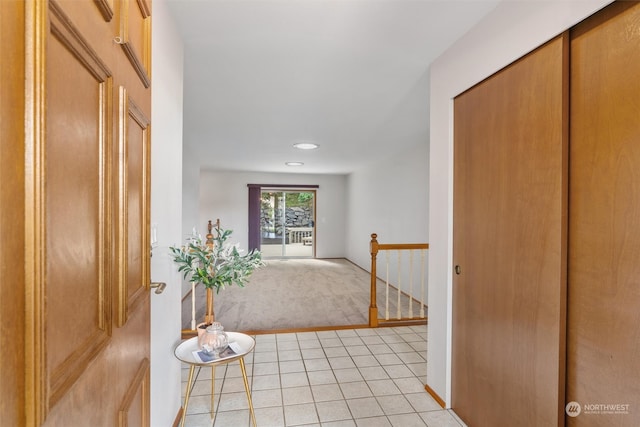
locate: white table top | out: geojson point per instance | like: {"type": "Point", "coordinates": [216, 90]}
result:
{"type": "Point", "coordinates": [244, 344]}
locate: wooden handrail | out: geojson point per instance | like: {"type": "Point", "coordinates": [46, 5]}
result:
{"type": "Point", "coordinates": [400, 246]}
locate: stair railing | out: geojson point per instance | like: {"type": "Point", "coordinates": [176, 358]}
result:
{"type": "Point", "coordinates": [402, 297]}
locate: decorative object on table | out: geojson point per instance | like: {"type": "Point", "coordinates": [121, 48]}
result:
{"type": "Point", "coordinates": [205, 357]}
{"type": "Point", "coordinates": [215, 345]}
{"type": "Point", "coordinates": [215, 339]}
{"type": "Point", "coordinates": [214, 263]}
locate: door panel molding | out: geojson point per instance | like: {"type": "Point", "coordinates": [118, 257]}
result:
{"type": "Point", "coordinates": [133, 169]}
{"type": "Point", "coordinates": [77, 249]}
{"type": "Point", "coordinates": [135, 36]}
{"type": "Point", "coordinates": [35, 106]}
{"type": "Point", "coordinates": [106, 8]}
{"type": "Point", "coordinates": [68, 34]}
{"type": "Point", "coordinates": [133, 410]}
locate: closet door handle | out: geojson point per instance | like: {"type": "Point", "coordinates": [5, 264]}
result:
{"type": "Point", "coordinates": [457, 269]}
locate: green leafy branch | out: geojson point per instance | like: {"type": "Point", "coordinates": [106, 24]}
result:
{"type": "Point", "coordinates": [218, 265]}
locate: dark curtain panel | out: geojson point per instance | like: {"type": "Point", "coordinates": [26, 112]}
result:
{"type": "Point", "coordinates": [254, 216]}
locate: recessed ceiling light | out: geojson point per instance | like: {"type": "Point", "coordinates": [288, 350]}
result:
{"type": "Point", "coordinates": [306, 145]}
{"type": "Point", "coordinates": [294, 163]}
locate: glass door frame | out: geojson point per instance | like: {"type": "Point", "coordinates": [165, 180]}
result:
{"type": "Point", "coordinates": [294, 243]}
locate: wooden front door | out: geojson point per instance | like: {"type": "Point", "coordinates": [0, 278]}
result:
{"type": "Point", "coordinates": [603, 347]}
{"type": "Point", "coordinates": [87, 213]}
{"type": "Point", "coordinates": [509, 244]}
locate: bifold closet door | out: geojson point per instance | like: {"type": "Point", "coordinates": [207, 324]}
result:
{"type": "Point", "coordinates": [509, 253]}
{"type": "Point", "coordinates": [603, 347]}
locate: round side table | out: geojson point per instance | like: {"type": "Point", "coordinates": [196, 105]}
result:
{"type": "Point", "coordinates": [240, 343]}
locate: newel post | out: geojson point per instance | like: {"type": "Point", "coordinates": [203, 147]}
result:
{"type": "Point", "coordinates": [373, 308]}
{"type": "Point", "coordinates": [210, 315]}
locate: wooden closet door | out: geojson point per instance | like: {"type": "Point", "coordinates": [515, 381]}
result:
{"type": "Point", "coordinates": [604, 226]}
{"type": "Point", "coordinates": [509, 244]}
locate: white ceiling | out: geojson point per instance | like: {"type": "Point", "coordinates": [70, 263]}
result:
{"type": "Point", "coordinates": [350, 75]}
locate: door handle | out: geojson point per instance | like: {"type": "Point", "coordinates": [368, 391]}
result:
{"type": "Point", "coordinates": [457, 269]}
{"type": "Point", "coordinates": [159, 286]}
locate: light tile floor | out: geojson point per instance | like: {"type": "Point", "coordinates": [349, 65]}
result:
{"type": "Point", "coordinates": [352, 377]}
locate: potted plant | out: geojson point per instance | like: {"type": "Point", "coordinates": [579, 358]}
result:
{"type": "Point", "coordinates": [214, 263]}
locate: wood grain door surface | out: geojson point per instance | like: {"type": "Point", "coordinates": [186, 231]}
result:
{"type": "Point", "coordinates": [510, 145]}
{"type": "Point", "coordinates": [87, 308]}
{"type": "Point", "coordinates": [604, 228]}
{"type": "Point", "coordinates": [12, 218]}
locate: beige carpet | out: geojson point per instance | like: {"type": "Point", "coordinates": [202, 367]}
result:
{"type": "Point", "coordinates": [295, 293]}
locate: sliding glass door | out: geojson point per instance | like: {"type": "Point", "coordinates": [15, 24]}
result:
{"type": "Point", "coordinates": [287, 223]}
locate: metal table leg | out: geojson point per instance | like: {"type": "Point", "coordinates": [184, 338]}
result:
{"type": "Point", "coordinates": [187, 394]}
{"type": "Point", "coordinates": [246, 388]}
{"type": "Point", "coordinates": [213, 388]}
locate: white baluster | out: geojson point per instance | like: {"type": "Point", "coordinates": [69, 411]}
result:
{"type": "Point", "coordinates": [422, 267]}
{"type": "Point", "coordinates": [399, 311]}
{"type": "Point", "coordinates": [386, 309]}
{"type": "Point", "coordinates": [411, 283]}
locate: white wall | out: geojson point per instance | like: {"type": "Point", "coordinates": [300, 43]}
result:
{"type": "Point", "coordinates": [166, 213]}
{"type": "Point", "coordinates": [389, 199]}
{"type": "Point", "coordinates": [224, 195]}
{"type": "Point", "coordinates": [507, 33]}
{"type": "Point", "coordinates": [190, 202]}
{"type": "Point", "coordinates": [190, 191]}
